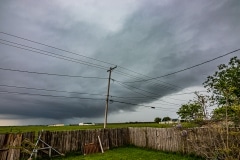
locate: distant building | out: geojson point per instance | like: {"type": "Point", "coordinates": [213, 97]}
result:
{"type": "Point", "coordinates": [86, 124]}
{"type": "Point", "coordinates": [56, 125]}
{"type": "Point", "coordinates": [172, 121]}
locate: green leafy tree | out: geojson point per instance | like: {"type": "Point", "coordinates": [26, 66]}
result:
{"type": "Point", "coordinates": [166, 119]}
{"type": "Point", "coordinates": [225, 86]}
{"type": "Point", "coordinates": [204, 102]}
{"type": "Point", "coordinates": [190, 111]}
{"type": "Point", "coordinates": [233, 113]}
{"type": "Point", "coordinates": [157, 120]}
{"type": "Point", "coordinates": [225, 83]}
{"type": "Point", "coordinates": [195, 109]}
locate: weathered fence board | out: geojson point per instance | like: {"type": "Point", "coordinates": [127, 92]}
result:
{"type": "Point", "coordinates": [10, 145]}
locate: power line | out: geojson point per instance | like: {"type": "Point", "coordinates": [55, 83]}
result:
{"type": "Point", "coordinates": [156, 96]}
{"type": "Point", "coordinates": [153, 107]}
{"type": "Point", "coordinates": [100, 66]}
{"type": "Point", "coordinates": [60, 49]}
{"type": "Point", "coordinates": [188, 67]}
{"type": "Point", "coordinates": [61, 91]}
{"type": "Point", "coordinates": [47, 95]}
{"type": "Point", "coordinates": [137, 98]}
{"type": "Point", "coordinates": [82, 56]}
{"type": "Point", "coordinates": [60, 55]}
{"type": "Point", "coordinates": [186, 93]}
{"type": "Point", "coordinates": [56, 56]}
{"type": "Point", "coordinates": [55, 47]}
{"type": "Point", "coordinates": [124, 85]}
{"type": "Point", "coordinates": [145, 90]}
{"type": "Point", "coordinates": [51, 54]}
{"type": "Point", "coordinates": [64, 56]}
{"type": "Point", "coordinates": [166, 104]}
{"type": "Point", "coordinates": [140, 98]}
{"type": "Point", "coordinates": [49, 74]}
{"type": "Point", "coordinates": [137, 88]}
{"type": "Point", "coordinates": [49, 90]}
{"type": "Point", "coordinates": [120, 97]}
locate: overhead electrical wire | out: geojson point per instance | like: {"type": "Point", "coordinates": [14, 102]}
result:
{"type": "Point", "coordinates": [144, 90]}
{"type": "Point", "coordinates": [153, 107]}
{"type": "Point", "coordinates": [139, 98]}
{"type": "Point", "coordinates": [185, 93]}
{"type": "Point", "coordinates": [47, 95]}
{"type": "Point", "coordinates": [166, 104]}
{"type": "Point", "coordinates": [136, 88]}
{"type": "Point", "coordinates": [55, 47]}
{"type": "Point", "coordinates": [46, 53]}
{"type": "Point", "coordinates": [51, 54]}
{"type": "Point", "coordinates": [92, 65]}
{"type": "Point", "coordinates": [187, 67]}
{"type": "Point", "coordinates": [60, 57]}
{"type": "Point", "coordinates": [49, 74]}
{"type": "Point", "coordinates": [149, 97]}
{"type": "Point", "coordinates": [156, 96]}
{"type": "Point", "coordinates": [60, 49]}
{"type": "Point", "coordinates": [61, 91]}
{"type": "Point", "coordinates": [82, 98]}
{"type": "Point", "coordinates": [49, 90]}
{"type": "Point", "coordinates": [122, 73]}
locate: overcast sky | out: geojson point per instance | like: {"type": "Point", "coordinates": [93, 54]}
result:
{"type": "Point", "coordinates": [144, 38]}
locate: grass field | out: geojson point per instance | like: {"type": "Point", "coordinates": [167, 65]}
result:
{"type": "Point", "coordinates": [130, 153]}
{"type": "Point", "coordinates": [21, 129]}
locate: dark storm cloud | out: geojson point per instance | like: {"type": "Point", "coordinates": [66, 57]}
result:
{"type": "Point", "coordinates": [157, 38]}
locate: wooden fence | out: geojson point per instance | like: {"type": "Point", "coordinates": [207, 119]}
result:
{"type": "Point", "coordinates": [72, 141]}
{"type": "Point", "coordinates": [209, 143]}
{"type": "Point", "coordinates": [195, 140]}
{"type": "Point", "coordinates": [165, 139]}
{"type": "Point", "coordinates": [11, 145]}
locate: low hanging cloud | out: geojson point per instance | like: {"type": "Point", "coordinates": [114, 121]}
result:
{"type": "Point", "coordinates": [153, 38]}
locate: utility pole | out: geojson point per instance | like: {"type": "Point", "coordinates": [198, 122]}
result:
{"type": "Point", "coordinates": [107, 99]}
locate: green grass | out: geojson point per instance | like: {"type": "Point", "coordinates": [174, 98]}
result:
{"type": "Point", "coordinates": [130, 153]}
{"type": "Point", "coordinates": [21, 129]}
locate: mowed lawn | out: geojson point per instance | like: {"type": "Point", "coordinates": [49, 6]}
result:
{"type": "Point", "coordinates": [130, 153]}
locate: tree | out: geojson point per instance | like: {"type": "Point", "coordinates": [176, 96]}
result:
{"type": "Point", "coordinates": [233, 113]}
{"type": "Point", "coordinates": [195, 109]}
{"type": "Point", "coordinates": [204, 102]}
{"type": "Point", "coordinates": [166, 119]}
{"type": "Point", "coordinates": [157, 120]}
{"type": "Point", "coordinates": [225, 86]}
{"type": "Point", "coordinates": [225, 83]}
{"type": "Point", "coordinates": [190, 111]}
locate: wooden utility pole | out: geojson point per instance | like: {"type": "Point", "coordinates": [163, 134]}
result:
{"type": "Point", "coordinates": [107, 99]}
